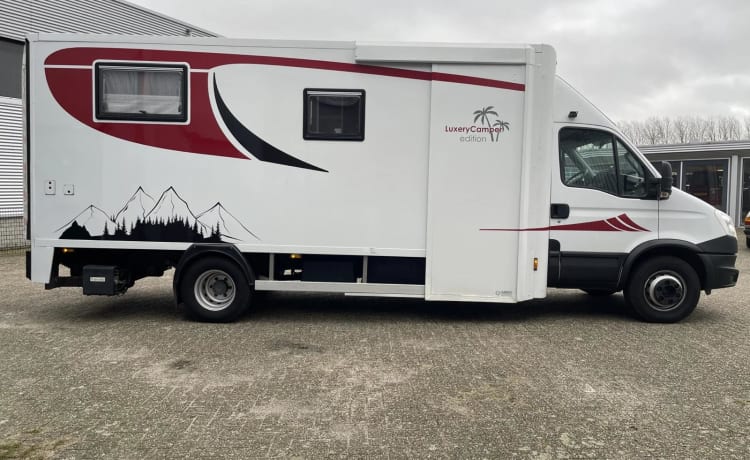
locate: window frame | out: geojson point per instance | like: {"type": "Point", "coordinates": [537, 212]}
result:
{"type": "Point", "coordinates": [306, 115]}
{"type": "Point", "coordinates": [615, 139]}
{"type": "Point", "coordinates": [182, 118]}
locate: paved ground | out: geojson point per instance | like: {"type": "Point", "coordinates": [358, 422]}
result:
{"type": "Point", "coordinates": [312, 376]}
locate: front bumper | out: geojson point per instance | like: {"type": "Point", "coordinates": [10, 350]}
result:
{"type": "Point", "coordinates": [720, 271]}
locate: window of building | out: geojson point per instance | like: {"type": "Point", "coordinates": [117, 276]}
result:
{"type": "Point", "coordinates": [11, 55]}
{"type": "Point", "coordinates": [334, 114]}
{"type": "Point", "coordinates": [141, 92]}
{"type": "Point", "coordinates": [707, 180]}
{"type": "Point", "coordinates": [598, 160]}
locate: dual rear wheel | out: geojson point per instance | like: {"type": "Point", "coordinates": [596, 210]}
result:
{"type": "Point", "coordinates": [215, 289]}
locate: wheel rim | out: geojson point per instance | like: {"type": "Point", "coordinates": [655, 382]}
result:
{"type": "Point", "coordinates": [665, 290]}
{"type": "Point", "coordinates": [215, 290]}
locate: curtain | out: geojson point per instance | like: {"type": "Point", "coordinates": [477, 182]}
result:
{"type": "Point", "coordinates": [141, 91]}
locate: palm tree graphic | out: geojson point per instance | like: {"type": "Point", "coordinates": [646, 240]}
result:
{"type": "Point", "coordinates": [503, 125]}
{"type": "Point", "coordinates": [483, 115]}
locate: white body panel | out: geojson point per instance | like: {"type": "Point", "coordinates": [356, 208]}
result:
{"type": "Point", "coordinates": [410, 189]}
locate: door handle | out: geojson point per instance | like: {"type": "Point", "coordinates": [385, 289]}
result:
{"type": "Point", "coordinates": [559, 211]}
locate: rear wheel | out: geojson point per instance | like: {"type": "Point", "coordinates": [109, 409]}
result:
{"type": "Point", "coordinates": [215, 289]}
{"type": "Point", "coordinates": [663, 290]}
{"type": "Point", "coordinates": [747, 242]}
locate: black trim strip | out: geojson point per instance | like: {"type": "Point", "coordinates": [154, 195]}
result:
{"type": "Point", "coordinates": [722, 245]}
{"type": "Point", "coordinates": [259, 148]}
{"type": "Point", "coordinates": [26, 98]}
{"type": "Point", "coordinates": [585, 270]}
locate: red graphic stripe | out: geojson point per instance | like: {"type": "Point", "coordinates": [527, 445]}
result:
{"type": "Point", "coordinates": [628, 221]}
{"type": "Point", "coordinates": [72, 90]}
{"type": "Point", "coordinates": [594, 226]}
{"type": "Point", "coordinates": [205, 61]}
{"type": "Point", "coordinates": [613, 221]}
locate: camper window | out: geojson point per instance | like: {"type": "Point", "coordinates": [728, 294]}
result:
{"type": "Point", "coordinates": [141, 92]}
{"type": "Point", "coordinates": [334, 114]}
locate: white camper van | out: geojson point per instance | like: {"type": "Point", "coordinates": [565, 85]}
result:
{"type": "Point", "coordinates": [437, 171]}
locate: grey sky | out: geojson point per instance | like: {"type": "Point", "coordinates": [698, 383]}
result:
{"type": "Point", "coordinates": [632, 58]}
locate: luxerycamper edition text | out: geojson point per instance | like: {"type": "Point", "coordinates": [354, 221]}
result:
{"type": "Point", "coordinates": [471, 129]}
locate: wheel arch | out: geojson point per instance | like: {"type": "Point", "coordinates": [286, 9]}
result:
{"type": "Point", "coordinates": [676, 248]}
{"type": "Point", "coordinates": [200, 250]}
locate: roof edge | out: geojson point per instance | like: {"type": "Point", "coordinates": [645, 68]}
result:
{"type": "Point", "coordinates": [701, 147]}
{"type": "Point", "coordinates": [165, 16]}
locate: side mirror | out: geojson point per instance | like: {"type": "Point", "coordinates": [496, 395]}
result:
{"type": "Point", "coordinates": [665, 169]}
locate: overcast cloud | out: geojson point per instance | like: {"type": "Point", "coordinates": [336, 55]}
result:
{"type": "Point", "coordinates": [634, 59]}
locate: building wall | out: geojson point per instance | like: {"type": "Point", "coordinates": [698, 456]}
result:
{"type": "Point", "coordinates": [11, 160]}
{"type": "Point", "coordinates": [718, 173]}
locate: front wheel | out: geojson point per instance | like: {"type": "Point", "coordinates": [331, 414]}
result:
{"type": "Point", "coordinates": [663, 290]}
{"type": "Point", "coordinates": [215, 289]}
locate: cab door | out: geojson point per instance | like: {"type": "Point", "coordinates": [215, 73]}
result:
{"type": "Point", "coordinates": [601, 208]}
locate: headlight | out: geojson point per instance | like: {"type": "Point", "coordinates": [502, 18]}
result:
{"type": "Point", "coordinates": [726, 223]}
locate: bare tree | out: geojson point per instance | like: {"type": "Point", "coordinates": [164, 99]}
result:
{"type": "Point", "coordinates": [665, 129]}
{"type": "Point", "coordinates": [681, 130]}
{"type": "Point", "coordinates": [686, 129]}
{"type": "Point", "coordinates": [729, 128]}
{"type": "Point", "coordinates": [652, 131]}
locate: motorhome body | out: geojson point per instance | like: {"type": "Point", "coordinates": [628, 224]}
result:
{"type": "Point", "coordinates": [448, 172]}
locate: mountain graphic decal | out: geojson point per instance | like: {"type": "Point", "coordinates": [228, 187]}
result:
{"type": "Point", "coordinates": [90, 219]}
{"type": "Point", "coordinates": [168, 218]}
{"type": "Point", "coordinates": [137, 207]}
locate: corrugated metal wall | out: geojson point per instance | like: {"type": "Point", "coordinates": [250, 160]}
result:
{"type": "Point", "coordinates": [18, 17]}
{"type": "Point", "coordinates": [11, 157]}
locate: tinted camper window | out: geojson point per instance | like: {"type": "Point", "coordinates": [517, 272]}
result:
{"type": "Point", "coordinates": [141, 92]}
{"type": "Point", "coordinates": [334, 114]}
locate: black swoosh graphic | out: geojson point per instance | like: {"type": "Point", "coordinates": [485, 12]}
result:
{"type": "Point", "coordinates": [259, 148]}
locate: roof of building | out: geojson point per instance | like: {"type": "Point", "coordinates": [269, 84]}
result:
{"type": "Point", "coordinates": [17, 18]}
{"type": "Point", "coordinates": [724, 146]}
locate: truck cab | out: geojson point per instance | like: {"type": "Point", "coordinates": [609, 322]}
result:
{"type": "Point", "coordinates": [615, 224]}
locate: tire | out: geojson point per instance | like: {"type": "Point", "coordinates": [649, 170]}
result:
{"type": "Point", "coordinates": [599, 292]}
{"type": "Point", "coordinates": [215, 289]}
{"type": "Point", "coordinates": [663, 289]}
{"type": "Point", "coordinates": [747, 242]}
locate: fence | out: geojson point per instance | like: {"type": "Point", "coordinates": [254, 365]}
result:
{"type": "Point", "coordinates": [12, 232]}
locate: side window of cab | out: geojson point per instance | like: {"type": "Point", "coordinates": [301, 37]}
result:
{"type": "Point", "coordinates": [595, 159]}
